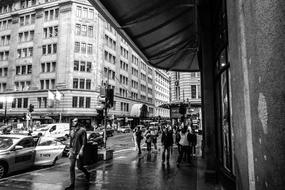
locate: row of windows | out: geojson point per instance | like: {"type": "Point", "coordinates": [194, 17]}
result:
{"type": "Point", "coordinates": [6, 8]}
{"type": "Point", "coordinates": [5, 24]}
{"type": "Point", "coordinates": [143, 88]}
{"type": "Point", "coordinates": [25, 52]}
{"type": "Point", "coordinates": [3, 71]}
{"type": "Point", "coordinates": [81, 102]}
{"type": "Point", "coordinates": [110, 58]}
{"type": "Point", "coordinates": [149, 80]}
{"type": "Point", "coordinates": [81, 47]}
{"type": "Point", "coordinates": [82, 66]}
{"type": "Point", "coordinates": [124, 106]}
{"type": "Point", "coordinates": [135, 84]}
{"type": "Point", "coordinates": [123, 92]}
{"type": "Point", "coordinates": [27, 19]}
{"type": "Point", "coordinates": [135, 60]}
{"type": "Point", "coordinates": [5, 40]}
{"type": "Point", "coordinates": [22, 85]}
{"type": "Point", "coordinates": [83, 12]}
{"type": "Point", "coordinates": [48, 67]}
{"type": "Point", "coordinates": [84, 30]}
{"type": "Point", "coordinates": [143, 97]}
{"type": "Point", "coordinates": [49, 49]}
{"type": "Point", "coordinates": [26, 36]}
{"type": "Point", "coordinates": [27, 3]}
{"type": "Point", "coordinates": [4, 55]}
{"type": "Point", "coordinates": [124, 80]}
{"type": "Point", "coordinates": [110, 42]}
{"type": "Point", "coordinates": [109, 73]}
{"type": "Point", "coordinates": [20, 103]}
{"type": "Point", "coordinates": [143, 66]}
{"type": "Point", "coordinates": [124, 53]}
{"type": "Point", "coordinates": [51, 32]}
{"type": "Point", "coordinates": [81, 83]}
{"type": "Point", "coordinates": [47, 84]}
{"type": "Point", "coordinates": [24, 70]}
{"type": "Point", "coordinates": [134, 95]}
{"type": "Point", "coordinates": [135, 72]}
{"type": "Point", "coordinates": [51, 14]}
{"type": "Point", "coordinates": [124, 65]}
{"type": "Point", "coordinates": [143, 76]}
{"type": "Point", "coordinates": [149, 71]}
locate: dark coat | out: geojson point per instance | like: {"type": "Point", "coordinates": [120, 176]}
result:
{"type": "Point", "coordinates": [167, 139]}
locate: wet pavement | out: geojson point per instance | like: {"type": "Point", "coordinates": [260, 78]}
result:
{"type": "Point", "coordinates": [127, 170]}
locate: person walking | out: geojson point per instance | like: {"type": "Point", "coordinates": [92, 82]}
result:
{"type": "Point", "coordinates": [78, 139]}
{"type": "Point", "coordinates": [148, 140]}
{"type": "Point", "coordinates": [154, 135]}
{"type": "Point", "coordinates": [139, 138]}
{"type": "Point", "coordinates": [184, 143]}
{"type": "Point", "coordinates": [167, 143]}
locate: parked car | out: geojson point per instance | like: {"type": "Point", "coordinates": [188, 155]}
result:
{"type": "Point", "coordinates": [92, 136]}
{"type": "Point", "coordinates": [109, 131]}
{"type": "Point", "coordinates": [124, 129]}
{"type": "Point", "coordinates": [18, 152]}
{"type": "Point", "coordinates": [56, 130]}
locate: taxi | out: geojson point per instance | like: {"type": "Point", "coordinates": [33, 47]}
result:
{"type": "Point", "coordinates": [18, 152]}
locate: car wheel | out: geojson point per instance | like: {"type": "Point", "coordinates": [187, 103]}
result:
{"type": "Point", "coordinates": [3, 170]}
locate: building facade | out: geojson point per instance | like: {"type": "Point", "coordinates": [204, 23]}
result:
{"type": "Point", "coordinates": [66, 47]}
{"type": "Point", "coordinates": [185, 88]}
{"type": "Point", "coordinates": [162, 93]}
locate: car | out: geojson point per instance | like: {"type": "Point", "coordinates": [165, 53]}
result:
{"type": "Point", "coordinates": [92, 136]}
{"type": "Point", "coordinates": [109, 131]}
{"type": "Point", "coordinates": [56, 130]}
{"type": "Point", "coordinates": [124, 129]}
{"type": "Point", "coordinates": [18, 152]}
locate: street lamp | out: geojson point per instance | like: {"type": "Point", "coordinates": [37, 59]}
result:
{"type": "Point", "coordinates": [5, 100]}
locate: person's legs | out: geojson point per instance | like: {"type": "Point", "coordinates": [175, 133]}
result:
{"type": "Point", "coordinates": [80, 166]}
{"type": "Point", "coordinates": [148, 145]}
{"type": "Point", "coordinates": [139, 146]}
{"type": "Point", "coordinates": [72, 160]}
{"type": "Point", "coordinates": [163, 154]}
{"type": "Point", "coordinates": [168, 154]}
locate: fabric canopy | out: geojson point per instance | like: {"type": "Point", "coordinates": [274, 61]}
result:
{"type": "Point", "coordinates": [164, 33]}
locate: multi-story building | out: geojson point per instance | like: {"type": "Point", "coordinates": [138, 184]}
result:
{"type": "Point", "coordinates": [185, 88]}
{"type": "Point", "coordinates": [66, 47]}
{"type": "Point", "coordinates": [162, 93]}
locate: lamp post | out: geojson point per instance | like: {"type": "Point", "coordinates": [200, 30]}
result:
{"type": "Point", "coordinates": [5, 100]}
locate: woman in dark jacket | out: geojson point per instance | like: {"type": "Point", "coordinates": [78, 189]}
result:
{"type": "Point", "coordinates": [167, 142]}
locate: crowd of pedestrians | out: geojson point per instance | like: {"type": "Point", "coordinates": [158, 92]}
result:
{"type": "Point", "coordinates": [182, 135]}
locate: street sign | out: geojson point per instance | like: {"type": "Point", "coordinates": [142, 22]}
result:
{"type": "Point", "coordinates": [28, 116]}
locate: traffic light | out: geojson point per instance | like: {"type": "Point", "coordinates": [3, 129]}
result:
{"type": "Point", "coordinates": [31, 108]}
{"type": "Point", "coordinates": [110, 97]}
{"type": "Point", "coordinates": [100, 115]}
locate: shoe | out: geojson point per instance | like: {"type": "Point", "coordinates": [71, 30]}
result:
{"type": "Point", "coordinates": [70, 187]}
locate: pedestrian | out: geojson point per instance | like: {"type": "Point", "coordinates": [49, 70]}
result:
{"type": "Point", "coordinates": [154, 135]}
{"type": "Point", "coordinates": [184, 143]}
{"type": "Point", "coordinates": [148, 139]}
{"type": "Point", "coordinates": [139, 138]}
{"type": "Point", "coordinates": [78, 139]}
{"type": "Point", "coordinates": [167, 143]}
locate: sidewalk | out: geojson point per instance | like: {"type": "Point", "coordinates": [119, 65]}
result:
{"type": "Point", "coordinates": [127, 171]}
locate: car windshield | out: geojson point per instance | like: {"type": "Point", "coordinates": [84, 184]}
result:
{"type": "Point", "coordinates": [6, 142]}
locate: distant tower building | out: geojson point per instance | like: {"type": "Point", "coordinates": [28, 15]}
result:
{"type": "Point", "coordinates": [185, 88]}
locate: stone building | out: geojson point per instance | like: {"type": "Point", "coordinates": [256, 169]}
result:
{"type": "Point", "coordinates": [55, 55]}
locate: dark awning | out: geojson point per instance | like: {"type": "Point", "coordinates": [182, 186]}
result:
{"type": "Point", "coordinates": [164, 33]}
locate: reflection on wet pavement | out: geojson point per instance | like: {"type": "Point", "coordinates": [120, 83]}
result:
{"type": "Point", "coordinates": [127, 170]}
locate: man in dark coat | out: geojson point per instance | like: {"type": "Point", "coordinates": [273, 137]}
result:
{"type": "Point", "coordinates": [167, 142]}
